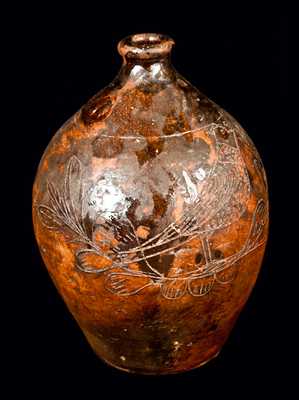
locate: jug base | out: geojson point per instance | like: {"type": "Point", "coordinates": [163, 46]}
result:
{"type": "Point", "coordinates": [165, 372]}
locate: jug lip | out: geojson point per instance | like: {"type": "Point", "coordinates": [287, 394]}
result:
{"type": "Point", "coordinates": [145, 46]}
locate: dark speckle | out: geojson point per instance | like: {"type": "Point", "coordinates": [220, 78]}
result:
{"type": "Point", "coordinates": [217, 254]}
{"type": "Point", "coordinates": [213, 327]}
{"type": "Point", "coordinates": [198, 258]}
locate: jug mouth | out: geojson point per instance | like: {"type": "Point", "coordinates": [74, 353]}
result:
{"type": "Point", "coordinates": [145, 46]}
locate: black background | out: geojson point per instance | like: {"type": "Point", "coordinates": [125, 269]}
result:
{"type": "Point", "coordinates": [238, 57]}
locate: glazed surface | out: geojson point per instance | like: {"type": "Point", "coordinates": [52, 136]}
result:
{"type": "Point", "coordinates": [150, 209]}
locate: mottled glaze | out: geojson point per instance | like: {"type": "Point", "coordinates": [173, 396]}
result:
{"type": "Point", "coordinates": [150, 209]}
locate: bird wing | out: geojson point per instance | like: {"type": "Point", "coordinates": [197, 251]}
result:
{"type": "Point", "coordinates": [221, 199]}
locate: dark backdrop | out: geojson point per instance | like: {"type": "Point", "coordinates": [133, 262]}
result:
{"type": "Point", "coordinates": [238, 57]}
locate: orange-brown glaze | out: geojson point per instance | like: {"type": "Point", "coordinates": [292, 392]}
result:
{"type": "Point", "coordinates": [150, 209]}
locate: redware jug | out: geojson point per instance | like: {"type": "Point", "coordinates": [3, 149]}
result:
{"type": "Point", "coordinates": [150, 210]}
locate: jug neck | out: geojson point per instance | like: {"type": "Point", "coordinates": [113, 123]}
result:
{"type": "Point", "coordinates": [146, 56]}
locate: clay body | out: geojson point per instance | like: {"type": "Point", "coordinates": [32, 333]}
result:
{"type": "Point", "coordinates": [150, 209]}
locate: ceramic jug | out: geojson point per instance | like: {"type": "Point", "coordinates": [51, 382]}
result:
{"type": "Point", "coordinates": [150, 210]}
